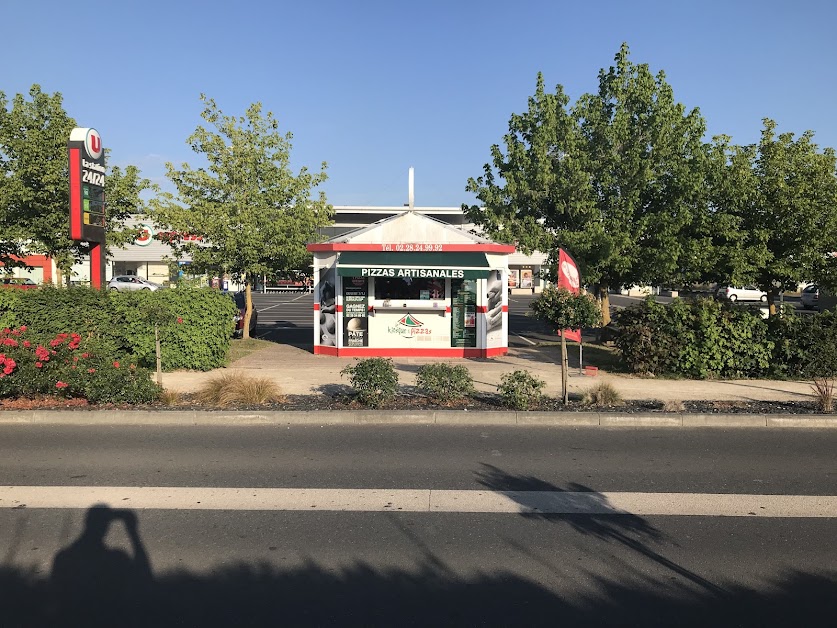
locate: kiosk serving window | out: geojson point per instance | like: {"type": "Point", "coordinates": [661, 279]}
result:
{"type": "Point", "coordinates": [409, 288]}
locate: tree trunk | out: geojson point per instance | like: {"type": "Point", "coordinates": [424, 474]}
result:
{"type": "Point", "coordinates": [565, 364]}
{"type": "Point", "coordinates": [604, 299]}
{"type": "Point", "coordinates": [159, 355]}
{"type": "Point", "coordinates": [248, 308]}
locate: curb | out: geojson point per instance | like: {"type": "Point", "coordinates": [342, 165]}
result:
{"type": "Point", "coordinates": [427, 417]}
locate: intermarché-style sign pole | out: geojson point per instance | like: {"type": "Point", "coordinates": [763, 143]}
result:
{"type": "Point", "coordinates": [87, 197]}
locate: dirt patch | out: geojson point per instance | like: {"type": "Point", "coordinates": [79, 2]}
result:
{"type": "Point", "coordinates": [411, 402]}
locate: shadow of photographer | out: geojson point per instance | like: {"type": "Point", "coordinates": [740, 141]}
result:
{"type": "Point", "coordinates": [93, 582]}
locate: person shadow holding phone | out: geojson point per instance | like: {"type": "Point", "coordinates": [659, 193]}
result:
{"type": "Point", "coordinates": [95, 584]}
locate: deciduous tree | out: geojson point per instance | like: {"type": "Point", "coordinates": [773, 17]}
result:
{"type": "Point", "coordinates": [253, 213]}
{"type": "Point", "coordinates": [35, 189]}
{"type": "Point", "coordinates": [774, 219]}
{"type": "Point", "coordinates": [618, 179]}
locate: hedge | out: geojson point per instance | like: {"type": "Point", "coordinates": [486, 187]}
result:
{"type": "Point", "coordinates": [195, 325]}
{"type": "Point", "coordinates": [713, 339]}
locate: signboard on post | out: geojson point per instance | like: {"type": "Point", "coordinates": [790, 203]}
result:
{"type": "Point", "coordinates": [87, 197]}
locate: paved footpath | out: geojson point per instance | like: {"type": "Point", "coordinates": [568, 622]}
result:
{"type": "Point", "coordinates": [299, 372]}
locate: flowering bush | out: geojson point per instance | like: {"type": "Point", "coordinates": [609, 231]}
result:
{"type": "Point", "coordinates": [66, 365]}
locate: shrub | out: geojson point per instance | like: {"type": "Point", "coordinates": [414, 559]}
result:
{"type": "Point", "coordinates": [236, 389]}
{"type": "Point", "coordinates": [68, 365]}
{"type": "Point", "coordinates": [700, 339]}
{"type": "Point", "coordinates": [602, 394]}
{"type": "Point", "coordinates": [374, 379]}
{"type": "Point", "coordinates": [444, 381]}
{"type": "Point", "coordinates": [195, 326]}
{"type": "Point", "coordinates": [520, 390]}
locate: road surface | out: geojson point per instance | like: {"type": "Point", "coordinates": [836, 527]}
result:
{"type": "Point", "coordinates": [215, 526]}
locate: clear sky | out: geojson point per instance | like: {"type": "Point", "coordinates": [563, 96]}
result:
{"type": "Point", "coordinates": [374, 87]}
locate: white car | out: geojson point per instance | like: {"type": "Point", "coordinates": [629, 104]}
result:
{"type": "Point", "coordinates": [131, 282]}
{"type": "Point", "coordinates": [747, 293]}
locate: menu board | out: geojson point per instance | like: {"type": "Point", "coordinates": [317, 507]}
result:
{"type": "Point", "coordinates": [355, 312]}
{"type": "Point", "coordinates": [463, 324]}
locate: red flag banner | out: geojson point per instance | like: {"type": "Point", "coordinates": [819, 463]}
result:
{"type": "Point", "coordinates": [569, 279]}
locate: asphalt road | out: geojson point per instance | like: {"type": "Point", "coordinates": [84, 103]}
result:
{"type": "Point", "coordinates": [211, 565]}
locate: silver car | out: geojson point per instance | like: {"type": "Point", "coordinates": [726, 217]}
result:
{"type": "Point", "coordinates": [131, 282]}
{"type": "Point", "coordinates": [811, 297]}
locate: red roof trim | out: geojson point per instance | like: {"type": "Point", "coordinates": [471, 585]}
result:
{"type": "Point", "coordinates": [491, 247]}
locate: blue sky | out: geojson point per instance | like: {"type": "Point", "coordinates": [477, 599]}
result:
{"type": "Point", "coordinates": [374, 87]}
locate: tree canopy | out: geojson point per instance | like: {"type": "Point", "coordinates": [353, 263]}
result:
{"type": "Point", "coordinates": [35, 189]}
{"type": "Point", "coordinates": [618, 179]}
{"type": "Point", "coordinates": [774, 211]}
{"type": "Point", "coordinates": [254, 215]}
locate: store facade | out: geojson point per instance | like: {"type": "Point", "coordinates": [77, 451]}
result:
{"type": "Point", "coordinates": [410, 285]}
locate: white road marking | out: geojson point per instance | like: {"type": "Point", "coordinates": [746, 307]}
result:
{"type": "Point", "coordinates": [302, 296]}
{"type": "Point", "coordinates": [421, 500]}
{"type": "Point", "coordinates": [527, 340]}
{"type": "Point", "coordinates": [269, 307]}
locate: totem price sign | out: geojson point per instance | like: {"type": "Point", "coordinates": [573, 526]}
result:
{"type": "Point", "coordinates": [87, 186]}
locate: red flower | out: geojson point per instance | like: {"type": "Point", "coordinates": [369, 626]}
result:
{"type": "Point", "coordinates": [75, 359]}
{"type": "Point", "coordinates": [23, 328]}
{"type": "Point", "coordinates": [42, 353]}
{"type": "Point", "coordinates": [179, 319]}
{"type": "Point", "coordinates": [91, 370]}
{"type": "Point", "coordinates": [27, 344]}
{"type": "Point", "coordinates": [115, 364]}
{"type": "Point", "coordinates": [7, 331]}
{"type": "Point", "coordinates": [39, 364]}
{"type": "Point", "coordinates": [9, 342]}
{"type": "Point", "coordinates": [60, 384]}
{"type": "Point", "coordinates": [85, 355]}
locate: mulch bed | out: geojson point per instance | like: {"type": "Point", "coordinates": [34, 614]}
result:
{"type": "Point", "coordinates": [483, 402]}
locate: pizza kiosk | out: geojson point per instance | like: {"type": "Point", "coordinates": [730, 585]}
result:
{"type": "Point", "coordinates": [410, 286]}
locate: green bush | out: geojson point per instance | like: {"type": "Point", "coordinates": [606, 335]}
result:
{"type": "Point", "coordinates": [804, 346]}
{"type": "Point", "coordinates": [68, 365]}
{"type": "Point", "coordinates": [701, 339]}
{"type": "Point", "coordinates": [444, 381]}
{"type": "Point", "coordinates": [374, 379]}
{"type": "Point", "coordinates": [520, 390]}
{"type": "Point", "coordinates": [195, 325]}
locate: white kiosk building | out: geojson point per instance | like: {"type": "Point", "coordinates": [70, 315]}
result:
{"type": "Point", "coordinates": [410, 285]}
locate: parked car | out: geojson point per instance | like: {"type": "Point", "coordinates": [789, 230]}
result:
{"type": "Point", "coordinates": [811, 297]}
{"type": "Point", "coordinates": [20, 283]}
{"type": "Point", "coordinates": [747, 293]}
{"type": "Point", "coordinates": [132, 282]}
{"type": "Point", "coordinates": [241, 304]}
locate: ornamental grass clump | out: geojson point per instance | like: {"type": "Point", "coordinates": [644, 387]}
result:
{"type": "Point", "coordinates": [445, 382]}
{"type": "Point", "coordinates": [602, 394]}
{"type": "Point", "coordinates": [231, 389]}
{"type": "Point", "coordinates": [520, 390]}
{"type": "Point", "coordinates": [823, 389]}
{"type": "Point", "coordinates": [374, 379]}
{"type": "Point", "coordinates": [66, 365]}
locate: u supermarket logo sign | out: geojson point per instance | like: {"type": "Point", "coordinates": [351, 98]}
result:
{"type": "Point", "coordinates": [93, 144]}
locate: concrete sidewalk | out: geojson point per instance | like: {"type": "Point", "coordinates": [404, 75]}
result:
{"type": "Point", "coordinates": [299, 372]}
